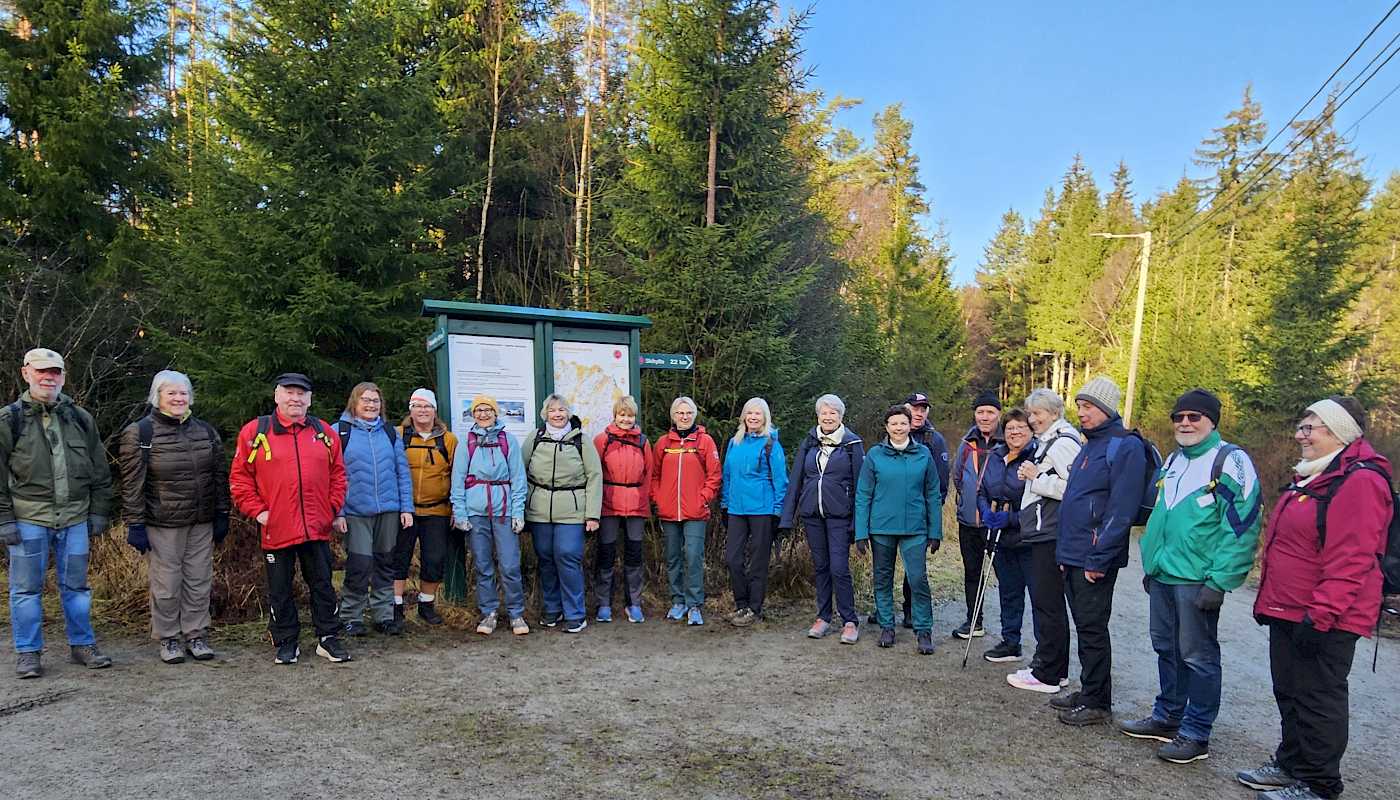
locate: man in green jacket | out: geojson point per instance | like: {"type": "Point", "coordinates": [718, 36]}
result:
{"type": "Point", "coordinates": [1199, 545]}
{"type": "Point", "coordinates": [55, 492]}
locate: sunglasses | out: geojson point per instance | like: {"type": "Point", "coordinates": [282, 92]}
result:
{"type": "Point", "coordinates": [1188, 416]}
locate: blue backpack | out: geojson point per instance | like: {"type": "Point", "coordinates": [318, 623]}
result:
{"type": "Point", "coordinates": [1149, 480]}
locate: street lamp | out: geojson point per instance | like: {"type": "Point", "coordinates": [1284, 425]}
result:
{"type": "Point", "coordinates": [1146, 237]}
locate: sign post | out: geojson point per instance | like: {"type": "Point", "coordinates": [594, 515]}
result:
{"type": "Point", "coordinates": [667, 361]}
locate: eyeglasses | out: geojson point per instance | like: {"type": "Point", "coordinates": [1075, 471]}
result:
{"type": "Point", "coordinates": [1189, 416]}
{"type": "Point", "coordinates": [1307, 430]}
{"type": "Point", "coordinates": [419, 407]}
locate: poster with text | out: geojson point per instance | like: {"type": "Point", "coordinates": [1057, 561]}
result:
{"type": "Point", "coordinates": [497, 366]}
{"type": "Point", "coordinates": [592, 376]}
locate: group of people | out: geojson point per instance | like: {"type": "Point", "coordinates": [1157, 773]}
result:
{"type": "Point", "coordinates": [1049, 504]}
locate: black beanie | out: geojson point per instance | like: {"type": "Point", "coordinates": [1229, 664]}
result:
{"type": "Point", "coordinates": [987, 398]}
{"type": "Point", "coordinates": [1202, 401]}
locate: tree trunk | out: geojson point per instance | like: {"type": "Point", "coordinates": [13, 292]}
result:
{"type": "Point", "coordinates": [490, 151]}
{"type": "Point", "coordinates": [581, 183]}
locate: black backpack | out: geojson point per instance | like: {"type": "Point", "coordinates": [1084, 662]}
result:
{"type": "Point", "coordinates": [1390, 555]}
{"type": "Point", "coordinates": [1154, 464]}
{"type": "Point", "coordinates": [440, 442]}
{"type": "Point", "coordinates": [146, 432]}
{"type": "Point", "coordinates": [15, 411]}
{"type": "Point", "coordinates": [343, 426]}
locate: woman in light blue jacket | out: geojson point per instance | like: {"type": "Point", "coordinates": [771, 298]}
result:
{"type": "Point", "coordinates": [488, 502]}
{"type": "Point", "coordinates": [378, 501]}
{"type": "Point", "coordinates": [755, 482]}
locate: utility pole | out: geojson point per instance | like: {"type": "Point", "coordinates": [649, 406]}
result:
{"type": "Point", "coordinates": [1146, 237]}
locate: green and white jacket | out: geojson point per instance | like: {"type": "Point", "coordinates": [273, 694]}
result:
{"type": "Point", "coordinates": [1199, 533]}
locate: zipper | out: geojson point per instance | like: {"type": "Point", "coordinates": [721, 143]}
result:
{"type": "Point", "coordinates": [373, 465]}
{"type": "Point", "coordinates": [301, 489]}
{"type": "Point", "coordinates": [680, 470]}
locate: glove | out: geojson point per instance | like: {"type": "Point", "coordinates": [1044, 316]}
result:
{"type": "Point", "coordinates": [97, 526]}
{"type": "Point", "coordinates": [997, 520]}
{"type": "Point", "coordinates": [933, 545]}
{"type": "Point", "coordinates": [1209, 599]}
{"type": "Point", "coordinates": [1307, 639]}
{"type": "Point", "coordinates": [862, 546]}
{"type": "Point", "coordinates": [9, 533]}
{"type": "Point", "coordinates": [220, 527]}
{"type": "Point", "coordinates": [517, 525]}
{"type": "Point", "coordinates": [461, 524]}
{"type": "Point", "coordinates": [984, 509]}
{"type": "Point", "coordinates": [137, 538]}
{"type": "Point", "coordinates": [1147, 583]}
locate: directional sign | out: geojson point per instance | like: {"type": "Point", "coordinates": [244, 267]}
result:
{"type": "Point", "coordinates": [667, 361]}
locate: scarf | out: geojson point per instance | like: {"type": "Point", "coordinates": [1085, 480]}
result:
{"type": "Point", "coordinates": [827, 444]}
{"type": "Point", "coordinates": [1311, 469]}
{"type": "Point", "coordinates": [684, 433]}
{"type": "Point", "coordinates": [557, 434]}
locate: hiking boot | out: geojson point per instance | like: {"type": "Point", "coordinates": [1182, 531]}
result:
{"type": "Point", "coordinates": [199, 649]}
{"type": "Point", "coordinates": [925, 640]}
{"type": "Point", "coordinates": [1268, 775]}
{"type": "Point", "coordinates": [1003, 652]}
{"type": "Point", "coordinates": [287, 652]}
{"type": "Point", "coordinates": [171, 652]}
{"type": "Point", "coordinates": [850, 633]}
{"type": "Point", "coordinates": [487, 625]}
{"type": "Point", "coordinates": [392, 626]}
{"type": "Point", "coordinates": [1150, 728]}
{"type": "Point", "coordinates": [551, 619]}
{"type": "Point", "coordinates": [694, 617]}
{"type": "Point", "coordinates": [634, 614]}
{"type": "Point", "coordinates": [604, 614]}
{"type": "Point", "coordinates": [428, 612]}
{"type": "Point", "coordinates": [1298, 791]}
{"type": "Point", "coordinates": [677, 612]}
{"type": "Point", "coordinates": [886, 637]}
{"type": "Point", "coordinates": [1081, 715]}
{"type": "Point", "coordinates": [519, 627]}
{"type": "Point", "coordinates": [576, 626]}
{"type": "Point", "coordinates": [1182, 750]}
{"type": "Point", "coordinates": [89, 656]}
{"type": "Point", "coordinates": [332, 650]}
{"type": "Point", "coordinates": [1065, 701]}
{"type": "Point", "coordinates": [27, 665]}
{"type": "Point", "coordinates": [743, 618]}
{"type": "Point", "coordinates": [1025, 679]}
{"type": "Point", "coordinates": [398, 622]}
{"type": "Point", "coordinates": [819, 629]}
{"type": "Point", "coordinates": [969, 631]}
{"type": "Point", "coordinates": [354, 628]}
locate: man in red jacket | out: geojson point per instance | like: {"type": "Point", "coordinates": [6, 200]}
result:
{"type": "Point", "coordinates": [288, 476]}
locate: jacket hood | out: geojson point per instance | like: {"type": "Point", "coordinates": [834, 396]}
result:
{"type": "Point", "coordinates": [1112, 427]}
{"type": "Point", "coordinates": [364, 425]}
{"type": "Point", "coordinates": [975, 435]}
{"type": "Point", "coordinates": [815, 435]}
{"type": "Point", "coordinates": [438, 428]}
{"type": "Point", "coordinates": [61, 400]}
{"type": "Point", "coordinates": [634, 432]}
{"type": "Point", "coordinates": [1359, 450]}
{"type": "Point", "coordinates": [1060, 425]}
{"type": "Point", "coordinates": [498, 425]}
{"type": "Point", "coordinates": [913, 447]}
{"type": "Point", "coordinates": [671, 431]}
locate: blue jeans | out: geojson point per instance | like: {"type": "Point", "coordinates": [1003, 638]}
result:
{"type": "Point", "coordinates": [559, 548]}
{"type": "Point", "coordinates": [911, 549]}
{"type": "Point", "coordinates": [1188, 658]}
{"type": "Point", "coordinates": [1013, 569]}
{"type": "Point", "coordinates": [685, 561]}
{"type": "Point", "coordinates": [28, 563]}
{"type": "Point", "coordinates": [493, 541]}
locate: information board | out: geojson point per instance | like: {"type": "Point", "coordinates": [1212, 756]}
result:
{"type": "Point", "coordinates": [501, 367]}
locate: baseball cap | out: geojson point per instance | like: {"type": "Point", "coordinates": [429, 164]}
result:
{"type": "Point", "coordinates": [43, 358]}
{"type": "Point", "coordinates": [293, 379]}
{"type": "Point", "coordinates": [917, 399]}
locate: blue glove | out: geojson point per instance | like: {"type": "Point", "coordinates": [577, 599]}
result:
{"type": "Point", "coordinates": [997, 520]}
{"type": "Point", "coordinates": [220, 527]}
{"type": "Point", "coordinates": [136, 537]}
{"type": "Point", "coordinates": [984, 508]}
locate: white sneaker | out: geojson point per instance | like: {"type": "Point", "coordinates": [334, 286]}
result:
{"type": "Point", "coordinates": [1025, 680]}
{"type": "Point", "coordinates": [487, 625]}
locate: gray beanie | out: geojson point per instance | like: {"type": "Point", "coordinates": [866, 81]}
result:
{"type": "Point", "coordinates": [1102, 392]}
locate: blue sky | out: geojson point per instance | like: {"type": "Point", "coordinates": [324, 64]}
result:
{"type": "Point", "coordinates": [1002, 95]}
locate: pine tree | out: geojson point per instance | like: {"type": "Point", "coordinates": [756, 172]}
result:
{"type": "Point", "coordinates": [1377, 259]}
{"type": "Point", "coordinates": [1002, 277]}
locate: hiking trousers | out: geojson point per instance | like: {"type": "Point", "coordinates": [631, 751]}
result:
{"type": "Point", "coordinates": [180, 566]}
{"type": "Point", "coordinates": [369, 567]}
{"type": "Point", "coordinates": [610, 529]}
{"type": "Point", "coordinates": [1313, 706]}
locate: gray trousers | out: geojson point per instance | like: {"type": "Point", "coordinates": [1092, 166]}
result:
{"type": "Point", "coordinates": [369, 567]}
{"type": "Point", "coordinates": [180, 564]}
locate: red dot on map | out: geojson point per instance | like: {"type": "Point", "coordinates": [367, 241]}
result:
{"type": "Point", "coordinates": [617, 354]}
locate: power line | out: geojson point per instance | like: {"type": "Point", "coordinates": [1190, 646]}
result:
{"type": "Point", "coordinates": [1378, 104]}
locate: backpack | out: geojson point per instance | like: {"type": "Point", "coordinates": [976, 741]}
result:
{"type": "Point", "coordinates": [541, 434]}
{"type": "Point", "coordinates": [406, 436]}
{"type": "Point", "coordinates": [1390, 555]}
{"type": "Point", "coordinates": [265, 425]}
{"type": "Point", "coordinates": [1217, 467]}
{"type": "Point", "coordinates": [1154, 464]}
{"type": "Point", "coordinates": [343, 428]}
{"type": "Point", "coordinates": [16, 414]}
{"type": "Point", "coordinates": [146, 431]}
{"type": "Point", "coordinates": [640, 444]}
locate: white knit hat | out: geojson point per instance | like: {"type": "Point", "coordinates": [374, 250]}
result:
{"type": "Point", "coordinates": [1337, 419]}
{"type": "Point", "coordinates": [1104, 393]}
{"type": "Point", "coordinates": [426, 395]}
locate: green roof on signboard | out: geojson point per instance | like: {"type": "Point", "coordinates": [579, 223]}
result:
{"type": "Point", "coordinates": [486, 311]}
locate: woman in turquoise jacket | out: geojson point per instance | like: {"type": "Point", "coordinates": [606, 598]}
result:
{"type": "Point", "coordinates": [898, 502]}
{"type": "Point", "coordinates": [754, 484]}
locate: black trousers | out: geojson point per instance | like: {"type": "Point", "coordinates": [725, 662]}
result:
{"type": "Point", "coordinates": [748, 546]}
{"type": "Point", "coordinates": [281, 567]}
{"type": "Point", "coordinates": [972, 542]}
{"type": "Point", "coordinates": [1313, 709]}
{"type": "Point", "coordinates": [1051, 661]}
{"type": "Point", "coordinates": [1092, 606]}
{"type": "Point", "coordinates": [432, 533]}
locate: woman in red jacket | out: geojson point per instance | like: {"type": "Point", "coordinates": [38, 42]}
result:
{"type": "Point", "coordinates": [685, 479]}
{"type": "Point", "coordinates": [1320, 590]}
{"type": "Point", "coordinates": [626, 457]}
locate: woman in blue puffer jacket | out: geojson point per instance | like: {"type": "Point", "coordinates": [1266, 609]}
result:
{"type": "Point", "coordinates": [754, 483]}
{"type": "Point", "coordinates": [821, 491]}
{"type": "Point", "coordinates": [378, 500]}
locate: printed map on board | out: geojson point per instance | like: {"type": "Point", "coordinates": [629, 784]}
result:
{"type": "Point", "coordinates": [592, 376]}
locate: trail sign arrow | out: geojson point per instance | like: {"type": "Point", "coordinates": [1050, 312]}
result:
{"type": "Point", "coordinates": [667, 361]}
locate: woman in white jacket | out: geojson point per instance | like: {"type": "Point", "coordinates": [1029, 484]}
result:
{"type": "Point", "coordinates": [1057, 444]}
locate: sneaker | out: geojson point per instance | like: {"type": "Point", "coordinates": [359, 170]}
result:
{"type": "Point", "coordinates": [604, 614]}
{"type": "Point", "coordinates": [850, 633]}
{"type": "Point", "coordinates": [519, 627]}
{"type": "Point", "coordinates": [332, 650]}
{"type": "Point", "coordinates": [199, 649]}
{"type": "Point", "coordinates": [1025, 680]}
{"type": "Point", "coordinates": [925, 640]}
{"type": "Point", "coordinates": [397, 622]}
{"type": "Point", "coordinates": [89, 656]}
{"type": "Point", "coordinates": [1003, 652]}
{"type": "Point", "coordinates": [634, 614]}
{"type": "Point", "coordinates": [677, 612]}
{"type": "Point", "coordinates": [287, 652]}
{"type": "Point", "coordinates": [171, 652]}
{"type": "Point", "coordinates": [428, 612]}
{"type": "Point", "coordinates": [1065, 701]}
{"type": "Point", "coordinates": [886, 637]}
{"type": "Point", "coordinates": [1298, 791]}
{"type": "Point", "coordinates": [575, 626]}
{"type": "Point", "coordinates": [1149, 728]}
{"type": "Point", "coordinates": [743, 618]}
{"type": "Point", "coordinates": [1080, 716]}
{"type": "Point", "coordinates": [968, 631]}
{"type": "Point", "coordinates": [1182, 750]}
{"type": "Point", "coordinates": [819, 629]}
{"type": "Point", "coordinates": [354, 628]}
{"type": "Point", "coordinates": [1268, 775]}
{"type": "Point", "coordinates": [552, 619]}
{"type": "Point", "coordinates": [1064, 682]}
{"type": "Point", "coordinates": [693, 617]}
{"type": "Point", "coordinates": [487, 625]}
{"type": "Point", "coordinates": [27, 665]}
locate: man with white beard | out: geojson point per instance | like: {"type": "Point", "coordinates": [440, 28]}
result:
{"type": "Point", "coordinates": [1199, 545]}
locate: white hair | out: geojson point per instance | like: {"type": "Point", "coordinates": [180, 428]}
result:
{"type": "Point", "coordinates": [684, 401]}
{"type": "Point", "coordinates": [833, 402]}
{"type": "Point", "coordinates": [1046, 400]}
{"type": "Point", "coordinates": [168, 376]}
{"type": "Point", "coordinates": [755, 404]}
{"type": "Point", "coordinates": [554, 399]}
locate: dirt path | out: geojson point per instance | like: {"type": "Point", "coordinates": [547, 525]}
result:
{"type": "Point", "coordinates": [644, 711]}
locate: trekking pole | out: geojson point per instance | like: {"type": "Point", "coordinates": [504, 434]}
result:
{"type": "Point", "coordinates": [993, 539]}
{"type": "Point", "coordinates": [1376, 653]}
